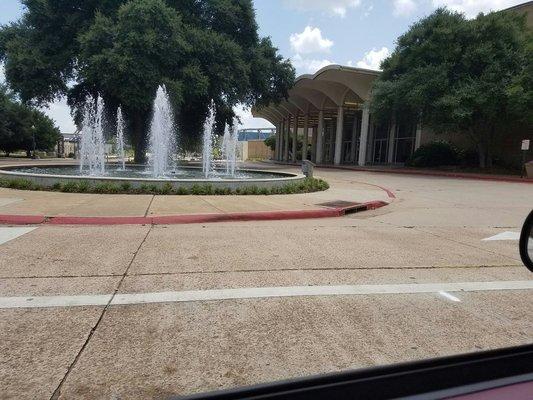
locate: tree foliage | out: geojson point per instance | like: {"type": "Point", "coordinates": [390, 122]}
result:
{"type": "Point", "coordinates": [202, 50]}
{"type": "Point", "coordinates": [19, 123]}
{"type": "Point", "coordinates": [458, 75]}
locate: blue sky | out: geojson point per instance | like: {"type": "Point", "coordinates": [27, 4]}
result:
{"type": "Point", "coordinates": [314, 33]}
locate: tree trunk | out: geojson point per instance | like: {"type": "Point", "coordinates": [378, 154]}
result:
{"type": "Point", "coordinates": [138, 137]}
{"type": "Point", "coordinates": [482, 152]}
{"type": "Point", "coordinates": [488, 161]}
{"type": "Point", "coordinates": [28, 153]}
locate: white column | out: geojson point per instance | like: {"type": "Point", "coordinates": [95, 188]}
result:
{"type": "Point", "coordinates": [392, 134]}
{"type": "Point", "coordinates": [338, 136]}
{"type": "Point", "coordinates": [286, 139]}
{"type": "Point", "coordinates": [279, 141]}
{"type": "Point", "coordinates": [306, 137]}
{"type": "Point", "coordinates": [313, 144]}
{"type": "Point", "coordinates": [354, 138]}
{"type": "Point", "coordinates": [295, 138]}
{"type": "Point", "coordinates": [319, 137]}
{"type": "Point", "coordinates": [418, 137]}
{"type": "Point", "coordinates": [363, 140]}
{"type": "Point", "coordinates": [276, 149]}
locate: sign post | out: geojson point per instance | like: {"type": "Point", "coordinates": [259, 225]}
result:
{"type": "Point", "coordinates": [525, 148]}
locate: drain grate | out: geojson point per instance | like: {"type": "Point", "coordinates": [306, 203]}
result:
{"type": "Point", "coordinates": [338, 204]}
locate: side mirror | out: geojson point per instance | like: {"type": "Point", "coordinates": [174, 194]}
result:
{"type": "Point", "coordinates": [526, 242]}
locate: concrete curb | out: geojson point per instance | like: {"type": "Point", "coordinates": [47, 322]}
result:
{"type": "Point", "coordinates": [191, 218]}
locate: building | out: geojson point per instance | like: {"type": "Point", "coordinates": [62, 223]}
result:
{"type": "Point", "coordinates": [68, 145]}
{"type": "Point", "coordinates": [251, 143]}
{"type": "Point", "coordinates": [329, 109]}
{"type": "Point", "coordinates": [334, 102]}
{"type": "Point", "coordinates": [245, 135]}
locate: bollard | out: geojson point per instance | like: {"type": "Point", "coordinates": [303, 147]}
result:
{"type": "Point", "coordinates": [308, 168]}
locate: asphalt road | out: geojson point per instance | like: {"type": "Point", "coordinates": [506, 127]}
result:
{"type": "Point", "coordinates": [125, 312]}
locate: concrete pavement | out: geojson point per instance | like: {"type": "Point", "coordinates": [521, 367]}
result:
{"type": "Point", "coordinates": [432, 233]}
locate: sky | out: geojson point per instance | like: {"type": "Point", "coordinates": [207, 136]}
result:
{"type": "Point", "coordinates": [315, 33]}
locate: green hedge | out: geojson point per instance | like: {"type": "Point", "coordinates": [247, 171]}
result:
{"type": "Point", "coordinates": [435, 154]}
{"type": "Point", "coordinates": [305, 186]}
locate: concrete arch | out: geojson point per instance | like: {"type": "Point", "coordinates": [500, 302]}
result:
{"type": "Point", "coordinates": [357, 79]}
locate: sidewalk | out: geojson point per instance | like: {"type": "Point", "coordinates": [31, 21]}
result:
{"type": "Point", "coordinates": [419, 171]}
{"type": "Point", "coordinates": [20, 206]}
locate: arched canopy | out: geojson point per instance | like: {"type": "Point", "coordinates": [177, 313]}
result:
{"type": "Point", "coordinates": [329, 88]}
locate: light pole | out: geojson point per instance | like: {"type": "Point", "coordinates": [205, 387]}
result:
{"type": "Point", "coordinates": [33, 140]}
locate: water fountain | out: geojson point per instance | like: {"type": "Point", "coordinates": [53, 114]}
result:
{"type": "Point", "coordinates": [229, 148]}
{"type": "Point", "coordinates": [120, 138]}
{"type": "Point", "coordinates": [92, 149]}
{"type": "Point", "coordinates": [162, 147]}
{"type": "Point", "coordinates": [207, 149]}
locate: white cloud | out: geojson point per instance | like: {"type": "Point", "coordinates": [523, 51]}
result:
{"type": "Point", "coordinates": [368, 10]}
{"type": "Point", "coordinates": [248, 121]}
{"type": "Point", "coordinates": [310, 41]}
{"type": "Point", "coordinates": [59, 111]}
{"type": "Point", "coordinates": [404, 8]}
{"type": "Point", "coordinates": [372, 59]}
{"type": "Point", "coordinates": [308, 65]}
{"type": "Point", "coordinates": [333, 7]}
{"type": "Point", "coordinates": [473, 7]}
{"type": "Point", "coordinates": [2, 73]}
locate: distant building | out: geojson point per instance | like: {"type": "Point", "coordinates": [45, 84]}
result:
{"type": "Point", "coordinates": [252, 145]}
{"type": "Point", "coordinates": [246, 135]}
{"type": "Point", "coordinates": [68, 145]}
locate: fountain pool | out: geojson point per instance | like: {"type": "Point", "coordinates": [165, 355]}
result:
{"type": "Point", "coordinates": [48, 175]}
{"type": "Point", "coordinates": [162, 168]}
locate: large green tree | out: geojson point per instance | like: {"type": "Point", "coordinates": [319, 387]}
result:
{"type": "Point", "coordinates": [202, 50]}
{"type": "Point", "coordinates": [458, 75]}
{"type": "Point", "coordinates": [21, 124]}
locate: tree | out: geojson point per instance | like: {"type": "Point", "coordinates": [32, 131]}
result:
{"type": "Point", "coordinates": [459, 75]}
{"type": "Point", "coordinates": [202, 50]}
{"type": "Point", "coordinates": [19, 123]}
{"type": "Point", "coordinates": [271, 142]}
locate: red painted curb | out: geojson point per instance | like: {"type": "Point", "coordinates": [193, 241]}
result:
{"type": "Point", "coordinates": [246, 216]}
{"type": "Point", "coordinates": [22, 219]}
{"type": "Point", "coordinates": [192, 218]}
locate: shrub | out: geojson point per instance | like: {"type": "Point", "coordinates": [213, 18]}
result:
{"type": "Point", "coordinates": [469, 158]}
{"type": "Point", "coordinates": [125, 186]}
{"type": "Point", "coordinates": [435, 154]}
{"type": "Point", "coordinates": [182, 190]}
{"type": "Point", "coordinates": [106, 187]}
{"type": "Point", "coordinates": [70, 187]}
{"type": "Point", "coordinates": [165, 189]}
{"type": "Point", "coordinates": [84, 187]}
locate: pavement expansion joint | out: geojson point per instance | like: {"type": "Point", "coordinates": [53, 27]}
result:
{"type": "Point", "coordinates": [57, 391]}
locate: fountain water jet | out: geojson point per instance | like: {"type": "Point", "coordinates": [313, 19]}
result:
{"type": "Point", "coordinates": [229, 148]}
{"type": "Point", "coordinates": [92, 148]}
{"type": "Point", "coordinates": [120, 138]}
{"type": "Point", "coordinates": [207, 151]}
{"type": "Point", "coordinates": [162, 145]}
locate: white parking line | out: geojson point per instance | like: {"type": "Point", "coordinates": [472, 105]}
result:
{"type": "Point", "coordinates": [449, 296]}
{"type": "Point", "coordinates": [504, 236]}
{"type": "Point", "coordinates": [258, 292]}
{"type": "Point", "coordinates": [10, 233]}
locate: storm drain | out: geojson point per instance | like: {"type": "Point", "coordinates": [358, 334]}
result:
{"type": "Point", "coordinates": [350, 207]}
{"type": "Point", "coordinates": [338, 204]}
